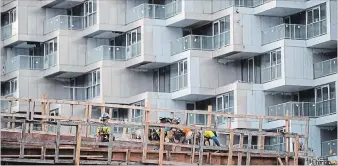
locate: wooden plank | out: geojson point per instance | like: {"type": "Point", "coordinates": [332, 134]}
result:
{"type": "Point", "coordinates": [43, 111]}
{"type": "Point", "coordinates": [260, 128]}
{"type": "Point", "coordinates": [32, 117]}
{"type": "Point", "coordinates": [200, 156]}
{"type": "Point", "coordinates": [296, 150]}
{"type": "Point", "coordinates": [160, 153]}
{"type": "Point", "coordinates": [57, 142]}
{"type": "Point", "coordinates": [43, 153]}
{"type": "Point", "coordinates": [248, 156]}
{"type": "Point", "coordinates": [22, 144]}
{"type": "Point", "coordinates": [78, 145]}
{"type": "Point", "coordinates": [90, 115]}
{"type": "Point", "coordinates": [86, 116]}
{"type": "Point", "coordinates": [280, 161]}
{"type": "Point", "coordinates": [110, 146]}
{"type": "Point", "coordinates": [287, 141]}
{"type": "Point", "coordinates": [231, 143]}
{"type": "Point", "coordinates": [240, 154]}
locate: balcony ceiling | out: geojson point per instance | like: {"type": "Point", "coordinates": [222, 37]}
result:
{"type": "Point", "coordinates": [63, 4]}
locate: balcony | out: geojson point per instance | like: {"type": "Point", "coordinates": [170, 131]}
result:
{"type": "Point", "coordinates": [154, 11]}
{"type": "Point", "coordinates": [271, 73]}
{"type": "Point", "coordinates": [151, 11]}
{"type": "Point", "coordinates": [49, 60]}
{"type": "Point", "coordinates": [280, 147]}
{"type": "Point", "coordinates": [310, 109]}
{"type": "Point", "coordinates": [63, 22]}
{"type": "Point", "coordinates": [114, 53]}
{"type": "Point", "coordinates": [278, 8]}
{"type": "Point", "coordinates": [24, 62]}
{"type": "Point", "coordinates": [325, 68]}
{"type": "Point", "coordinates": [199, 42]}
{"type": "Point", "coordinates": [329, 148]}
{"type": "Point", "coordinates": [4, 104]}
{"type": "Point", "coordinates": [284, 31]}
{"type": "Point", "coordinates": [8, 31]}
{"type": "Point", "coordinates": [178, 82]}
{"type": "Point", "coordinates": [83, 93]}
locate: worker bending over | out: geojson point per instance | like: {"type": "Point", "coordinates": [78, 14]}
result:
{"type": "Point", "coordinates": [211, 135]}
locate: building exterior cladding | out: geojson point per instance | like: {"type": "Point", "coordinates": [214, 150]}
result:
{"type": "Point", "coordinates": [263, 57]}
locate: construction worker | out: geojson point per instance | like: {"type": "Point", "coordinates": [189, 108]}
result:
{"type": "Point", "coordinates": [211, 135]}
{"type": "Point", "coordinates": [104, 132]}
{"type": "Point", "coordinates": [187, 134]}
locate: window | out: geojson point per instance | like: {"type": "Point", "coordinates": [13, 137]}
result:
{"type": "Point", "coordinates": [8, 17]}
{"type": "Point", "coordinates": [316, 21]}
{"type": "Point", "coordinates": [9, 88]}
{"type": "Point", "coordinates": [271, 65]}
{"type": "Point", "coordinates": [50, 46]}
{"type": "Point", "coordinates": [93, 84]}
{"type": "Point", "coordinates": [137, 114]}
{"type": "Point", "coordinates": [220, 32]}
{"type": "Point", "coordinates": [225, 103]}
{"type": "Point", "coordinates": [133, 45]}
{"type": "Point", "coordinates": [89, 13]}
{"type": "Point", "coordinates": [179, 75]}
{"type": "Point", "coordinates": [325, 99]}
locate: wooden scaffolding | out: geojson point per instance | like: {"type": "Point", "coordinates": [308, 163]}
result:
{"type": "Point", "coordinates": [30, 146]}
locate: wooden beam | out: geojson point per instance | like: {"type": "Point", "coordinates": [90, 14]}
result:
{"type": "Point", "coordinates": [248, 155]}
{"type": "Point", "coordinates": [32, 117]}
{"type": "Point", "coordinates": [78, 145]}
{"type": "Point", "coordinates": [240, 154]}
{"type": "Point", "coordinates": [57, 142]}
{"type": "Point", "coordinates": [231, 143]}
{"type": "Point", "coordinates": [160, 153]}
{"type": "Point", "coordinates": [296, 150]}
{"type": "Point", "coordinates": [43, 111]}
{"type": "Point", "coordinates": [200, 156]}
{"type": "Point", "coordinates": [280, 161]}
{"type": "Point", "coordinates": [209, 115]}
{"type": "Point", "coordinates": [287, 141]}
{"type": "Point", "coordinates": [146, 130]}
{"type": "Point", "coordinates": [260, 128]}
{"type": "Point", "coordinates": [203, 112]}
{"type": "Point", "coordinates": [194, 147]}
{"type": "Point", "coordinates": [110, 146]}
{"type": "Point", "coordinates": [87, 119]}
{"type": "Point", "coordinates": [23, 136]}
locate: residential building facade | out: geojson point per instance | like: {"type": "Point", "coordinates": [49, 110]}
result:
{"type": "Point", "coordinates": [260, 57]}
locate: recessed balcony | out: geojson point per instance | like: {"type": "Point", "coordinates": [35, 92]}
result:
{"type": "Point", "coordinates": [329, 148]}
{"type": "Point", "coordinates": [9, 30]}
{"type": "Point", "coordinates": [114, 53]}
{"type": "Point", "coordinates": [325, 68]}
{"type": "Point", "coordinates": [24, 62]}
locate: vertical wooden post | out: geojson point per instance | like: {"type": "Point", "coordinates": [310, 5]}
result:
{"type": "Point", "coordinates": [248, 155]}
{"type": "Point", "coordinates": [43, 112]}
{"type": "Point", "coordinates": [306, 141]}
{"type": "Point", "coordinates": [287, 142]}
{"type": "Point", "coordinates": [146, 130]}
{"type": "Point", "coordinates": [86, 115]}
{"type": "Point", "coordinates": [90, 117]}
{"type": "Point", "coordinates": [78, 145]}
{"type": "Point", "coordinates": [260, 138]}
{"type": "Point", "coordinates": [231, 143]}
{"type": "Point", "coordinates": [10, 111]}
{"type": "Point", "coordinates": [110, 145]}
{"type": "Point", "coordinates": [194, 147]}
{"type": "Point", "coordinates": [200, 156]}
{"type": "Point", "coordinates": [28, 114]}
{"type": "Point", "coordinates": [57, 142]}
{"type": "Point", "coordinates": [240, 154]}
{"type": "Point", "coordinates": [22, 143]}
{"type": "Point", "coordinates": [111, 112]}
{"type": "Point", "coordinates": [227, 136]}
{"type": "Point", "coordinates": [296, 150]}
{"type": "Point", "coordinates": [72, 114]}
{"type": "Point", "coordinates": [160, 153]}
{"type": "Point", "coordinates": [209, 116]}
{"type": "Point", "coordinates": [32, 117]}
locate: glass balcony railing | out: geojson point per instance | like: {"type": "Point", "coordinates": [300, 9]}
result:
{"type": "Point", "coordinates": [173, 8]}
{"type": "Point", "coordinates": [63, 22]}
{"type": "Point", "coordinates": [49, 60]}
{"type": "Point", "coordinates": [316, 29]}
{"type": "Point", "coordinates": [192, 42]}
{"type": "Point", "coordinates": [293, 109]}
{"type": "Point", "coordinates": [271, 73]}
{"type": "Point", "coordinates": [78, 93]}
{"type": "Point", "coordinates": [310, 109]}
{"type": "Point", "coordinates": [133, 50]}
{"type": "Point", "coordinates": [284, 31]}
{"type": "Point", "coordinates": [199, 42]}
{"type": "Point", "coordinates": [329, 148]}
{"type": "Point", "coordinates": [178, 82]}
{"type": "Point", "coordinates": [115, 53]}
{"type": "Point", "coordinates": [152, 11]}
{"type": "Point", "coordinates": [24, 62]}
{"type": "Point", "coordinates": [9, 30]}
{"type": "Point", "coordinates": [4, 103]}
{"type": "Point", "coordinates": [276, 147]}
{"type": "Point", "coordinates": [197, 119]}
{"type": "Point", "coordinates": [325, 68]}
